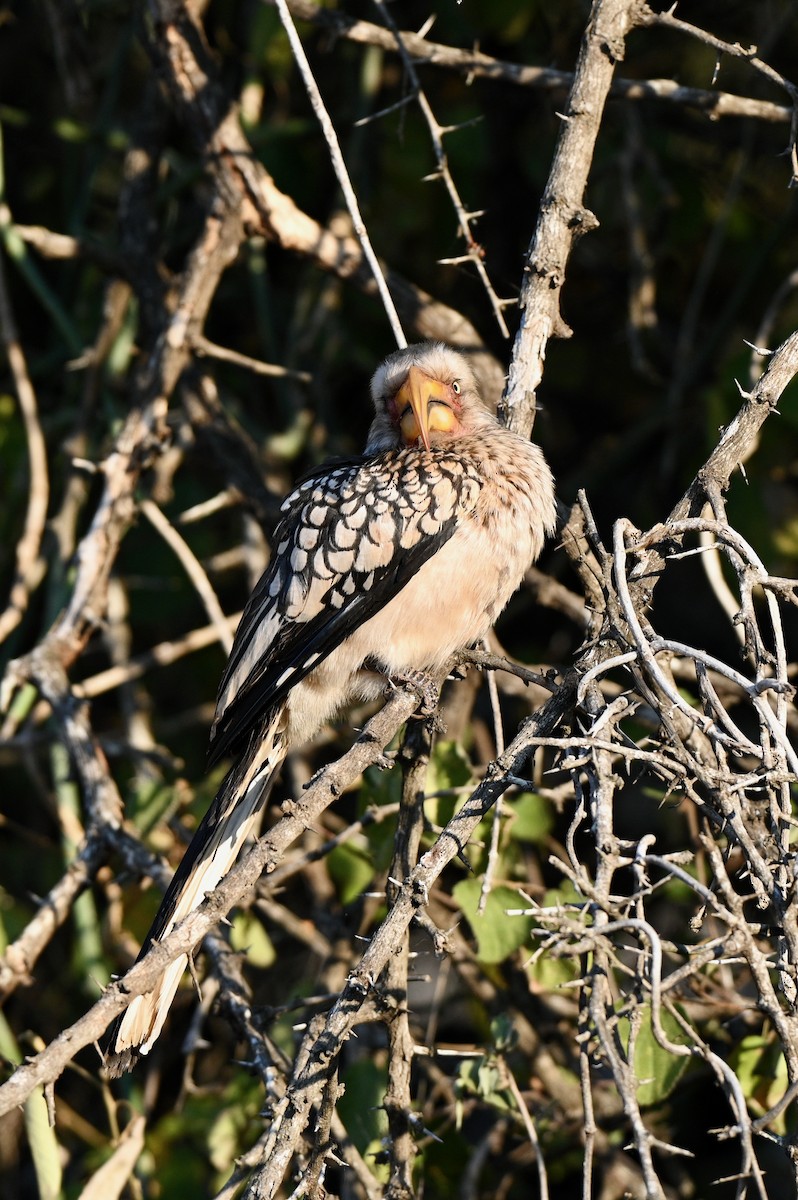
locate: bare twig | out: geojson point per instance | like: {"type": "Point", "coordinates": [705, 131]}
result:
{"type": "Point", "coordinates": [496, 819]}
{"type": "Point", "coordinates": [270, 370]}
{"type": "Point", "coordinates": [337, 159]}
{"type": "Point", "coordinates": [194, 569]}
{"type": "Point", "coordinates": [474, 253]}
{"type": "Point", "coordinates": [735, 50]}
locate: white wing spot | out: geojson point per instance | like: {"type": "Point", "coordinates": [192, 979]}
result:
{"type": "Point", "coordinates": [340, 561]}
{"type": "Point", "coordinates": [344, 536]}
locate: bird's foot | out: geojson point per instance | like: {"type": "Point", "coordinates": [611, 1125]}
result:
{"type": "Point", "coordinates": [427, 688]}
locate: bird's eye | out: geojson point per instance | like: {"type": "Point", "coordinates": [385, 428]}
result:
{"type": "Point", "coordinates": [456, 387]}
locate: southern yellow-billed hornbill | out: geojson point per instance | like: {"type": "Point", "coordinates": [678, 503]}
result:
{"type": "Point", "coordinates": [382, 566]}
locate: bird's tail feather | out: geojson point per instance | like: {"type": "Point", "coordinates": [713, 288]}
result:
{"type": "Point", "coordinates": [234, 814]}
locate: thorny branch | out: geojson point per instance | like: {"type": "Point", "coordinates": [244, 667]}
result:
{"type": "Point", "coordinates": [344, 180]}
{"type": "Point", "coordinates": [475, 64]}
{"type": "Point", "coordinates": [474, 253]}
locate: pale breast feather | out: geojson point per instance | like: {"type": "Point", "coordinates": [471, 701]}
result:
{"type": "Point", "coordinates": [348, 542]}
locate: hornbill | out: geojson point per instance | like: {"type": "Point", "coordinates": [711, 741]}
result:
{"type": "Point", "coordinates": [383, 566]}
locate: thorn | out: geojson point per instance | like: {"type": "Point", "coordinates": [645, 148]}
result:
{"type": "Point", "coordinates": [444, 129]}
{"type": "Point", "coordinates": [744, 394]}
{"type": "Point", "coordinates": [84, 464]}
{"type": "Point", "coordinates": [425, 28]}
{"type": "Point", "coordinates": [461, 854]}
{"type": "Point", "coordinates": [416, 1123]}
{"type": "Point", "coordinates": [757, 349]}
{"type": "Point", "coordinates": [384, 112]}
{"type": "Point", "coordinates": [469, 79]}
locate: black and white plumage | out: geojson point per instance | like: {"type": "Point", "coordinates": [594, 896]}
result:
{"type": "Point", "coordinates": [382, 566]}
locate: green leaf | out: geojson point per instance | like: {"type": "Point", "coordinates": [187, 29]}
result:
{"type": "Point", "coordinates": [547, 973]}
{"type": "Point", "coordinates": [350, 870]}
{"type": "Point", "coordinates": [657, 1070]}
{"type": "Point", "coordinates": [361, 1107]}
{"type": "Point", "coordinates": [224, 1137]}
{"type": "Point", "coordinates": [503, 1032]}
{"type": "Point", "coordinates": [152, 802]}
{"type": "Point", "coordinates": [565, 894]}
{"type": "Point", "coordinates": [44, 1147]}
{"type": "Point", "coordinates": [379, 789]}
{"type": "Point", "coordinates": [448, 768]}
{"type": "Point", "coordinates": [759, 1065]}
{"type": "Point", "coordinates": [249, 937]}
{"type": "Point", "coordinates": [498, 936]}
{"type": "Point", "coordinates": [481, 1077]}
{"type": "Point", "coordinates": [531, 817]}
{"type": "Point", "coordinates": [380, 786]}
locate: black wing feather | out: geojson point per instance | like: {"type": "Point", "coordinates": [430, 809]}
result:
{"type": "Point", "coordinates": [318, 638]}
{"type": "Point", "coordinates": [413, 511]}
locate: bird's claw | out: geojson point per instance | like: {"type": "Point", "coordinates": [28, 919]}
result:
{"type": "Point", "coordinates": [424, 685]}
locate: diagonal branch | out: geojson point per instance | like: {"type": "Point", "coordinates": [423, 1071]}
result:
{"type": "Point", "coordinates": [266, 855]}
{"type": "Point", "coordinates": [339, 166]}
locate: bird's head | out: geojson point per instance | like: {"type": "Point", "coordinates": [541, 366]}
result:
{"type": "Point", "coordinates": [424, 395]}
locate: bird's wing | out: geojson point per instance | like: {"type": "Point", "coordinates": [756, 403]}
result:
{"type": "Point", "coordinates": [349, 542]}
